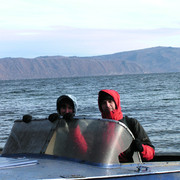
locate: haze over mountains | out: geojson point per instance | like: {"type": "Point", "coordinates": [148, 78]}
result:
{"type": "Point", "coordinates": [150, 60]}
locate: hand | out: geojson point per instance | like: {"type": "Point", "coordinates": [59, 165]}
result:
{"type": "Point", "coordinates": [53, 117]}
{"type": "Point", "coordinates": [137, 145]}
{"type": "Point", "coordinates": [27, 118]}
{"type": "Point", "coordinates": [68, 117]}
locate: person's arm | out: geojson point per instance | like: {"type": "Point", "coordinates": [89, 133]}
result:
{"type": "Point", "coordinates": [142, 142]}
{"type": "Point", "coordinates": [78, 139]}
{"type": "Point", "coordinates": [75, 133]}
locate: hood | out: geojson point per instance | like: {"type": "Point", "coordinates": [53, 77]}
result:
{"type": "Point", "coordinates": [117, 113]}
{"type": "Point", "coordinates": [71, 97]}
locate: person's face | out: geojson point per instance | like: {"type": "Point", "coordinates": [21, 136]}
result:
{"type": "Point", "coordinates": [108, 105]}
{"type": "Point", "coordinates": [66, 108]}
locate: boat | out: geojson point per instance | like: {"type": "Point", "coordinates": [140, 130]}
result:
{"type": "Point", "coordinates": [42, 149]}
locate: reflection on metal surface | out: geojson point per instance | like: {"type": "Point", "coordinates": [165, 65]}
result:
{"type": "Point", "coordinates": [14, 163]}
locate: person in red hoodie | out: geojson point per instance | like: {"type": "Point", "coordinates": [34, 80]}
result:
{"type": "Point", "coordinates": [110, 108]}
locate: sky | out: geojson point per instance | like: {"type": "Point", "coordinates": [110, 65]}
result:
{"type": "Point", "coordinates": [32, 28]}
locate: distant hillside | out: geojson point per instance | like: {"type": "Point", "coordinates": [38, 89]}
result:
{"type": "Point", "coordinates": [150, 60]}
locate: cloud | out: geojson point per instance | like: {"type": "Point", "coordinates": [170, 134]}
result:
{"type": "Point", "coordinates": [84, 42]}
{"type": "Point", "coordinates": [86, 27]}
{"type": "Point", "coordinates": [104, 14]}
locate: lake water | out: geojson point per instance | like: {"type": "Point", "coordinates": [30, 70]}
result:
{"type": "Point", "coordinates": [153, 99]}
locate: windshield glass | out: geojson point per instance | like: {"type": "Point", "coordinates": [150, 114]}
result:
{"type": "Point", "coordinates": [92, 140]}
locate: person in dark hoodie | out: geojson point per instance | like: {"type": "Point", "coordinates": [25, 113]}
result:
{"type": "Point", "coordinates": [66, 106]}
{"type": "Point", "coordinates": [110, 108]}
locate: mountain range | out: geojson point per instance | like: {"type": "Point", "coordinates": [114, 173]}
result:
{"type": "Point", "coordinates": [149, 60]}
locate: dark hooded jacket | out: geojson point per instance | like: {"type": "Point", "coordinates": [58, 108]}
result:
{"type": "Point", "coordinates": [74, 131]}
{"type": "Point", "coordinates": [135, 127]}
{"type": "Point", "coordinates": [66, 97]}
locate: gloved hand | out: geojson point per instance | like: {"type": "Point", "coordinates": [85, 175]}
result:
{"type": "Point", "coordinates": [53, 117]}
{"type": "Point", "coordinates": [27, 118]}
{"type": "Point", "coordinates": [137, 145]}
{"type": "Point", "coordinates": [68, 117]}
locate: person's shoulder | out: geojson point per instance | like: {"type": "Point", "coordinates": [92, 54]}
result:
{"type": "Point", "coordinates": [127, 118]}
{"type": "Point", "coordinates": [130, 120]}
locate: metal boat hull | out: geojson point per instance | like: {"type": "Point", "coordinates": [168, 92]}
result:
{"type": "Point", "coordinates": [44, 150]}
{"type": "Point", "coordinates": [50, 167]}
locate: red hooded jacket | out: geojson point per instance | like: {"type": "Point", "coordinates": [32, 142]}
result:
{"type": "Point", "coordinates": [116, 114]}
{"type": "Point", "coordinates": [135, 127]}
